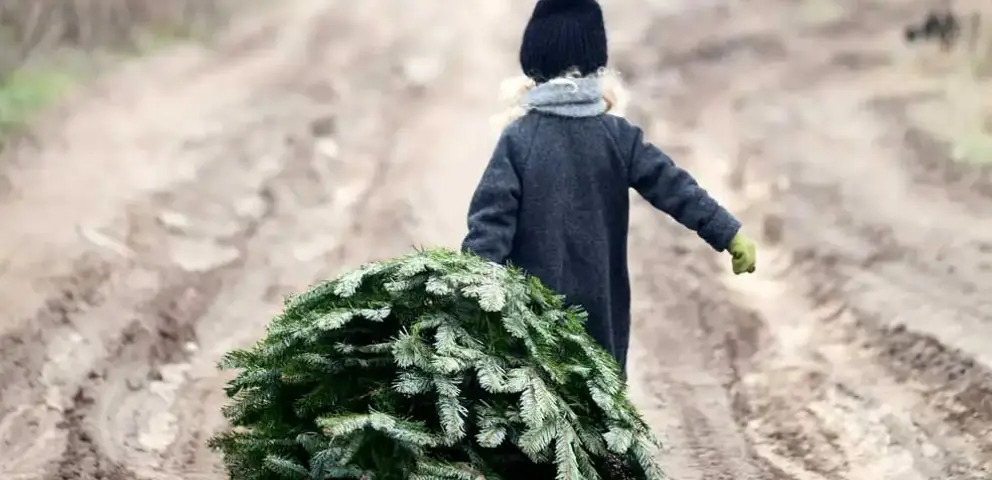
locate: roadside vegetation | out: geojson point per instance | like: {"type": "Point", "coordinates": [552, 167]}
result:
{"type": "Point", "coordinates": [46, 46]}
{"type": "Point", "coordinates": [951, 59]}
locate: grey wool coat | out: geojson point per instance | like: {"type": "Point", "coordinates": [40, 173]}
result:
{"type": "Point", "coordinates": [554, 201]}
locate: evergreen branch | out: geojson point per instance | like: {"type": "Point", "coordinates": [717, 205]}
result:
{"type": "Point", "coordinates": [436, 365]}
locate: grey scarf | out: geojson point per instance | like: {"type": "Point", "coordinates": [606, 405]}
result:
{"type": "Point", "coordinates": [573, 97]}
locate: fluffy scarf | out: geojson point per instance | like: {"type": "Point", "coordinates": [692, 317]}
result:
{"type": "Point", "coordinates": [570, 96]}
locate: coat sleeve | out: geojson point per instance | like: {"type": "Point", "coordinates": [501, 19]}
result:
{"type": "Point", "coordinates": [492, 215]}
{"type": "Point", "coordinates": [674, 191]}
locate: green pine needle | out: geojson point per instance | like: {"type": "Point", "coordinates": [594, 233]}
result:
{"type": "Point", "coordinates": [435, 365]}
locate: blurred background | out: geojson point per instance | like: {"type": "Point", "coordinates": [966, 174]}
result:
{"type": "Point", "coordinates": [170, 170]}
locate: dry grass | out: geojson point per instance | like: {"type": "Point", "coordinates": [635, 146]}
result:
{"type": "Point", "coordinates": [36, 36]}
{"type": "Point", "coordinates": [28, 27]}
{"type": "Point", "coordinates": [961, 112]}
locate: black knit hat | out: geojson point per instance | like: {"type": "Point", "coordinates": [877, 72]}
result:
{"type": "Point", "coordinates": [561, 35]}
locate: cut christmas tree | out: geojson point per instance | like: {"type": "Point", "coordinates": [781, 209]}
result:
{"type": "Point", "coordinates": [436, 365]}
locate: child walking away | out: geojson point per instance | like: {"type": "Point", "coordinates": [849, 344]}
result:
{"type": "Point", "coordinates": [554, 198]}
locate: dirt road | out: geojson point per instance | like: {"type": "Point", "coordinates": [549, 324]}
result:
{"type": "Point", "coordinates": [157, 220]}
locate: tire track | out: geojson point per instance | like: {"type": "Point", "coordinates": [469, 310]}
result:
{"type": "Point", "coordinates": [152, 349]}
{"type": "Point", "coordinates": [290, 156]}
{"type": "Point", "coordinates": [146, 324]}
{"type": "Point", "coordinates": [922, 325]}
{"type": "Point", "coordinates": [849, 379]}
{"type": "Point", "coordinates": [688, 344]}
{"type": "Point", "coordinates": [25, 407]}
{"type": "Point", "coordinates": [142, 349]}
{"type": "Point", "coordinates": [136, 403]}
{"type": "Point", "coordinates": [378, 166]}
{"type": "Point", "coordinates": [849, 418]}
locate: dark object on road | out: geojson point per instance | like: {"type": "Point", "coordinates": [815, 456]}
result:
{"type": "Point", "coordinates": [943, 27]}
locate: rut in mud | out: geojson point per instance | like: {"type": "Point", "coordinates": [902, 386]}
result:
{"type": "Point", "coordinates": [185, 195]}
{"type": "Point", "coordinates": [861, 349]}
{"type": "Point", "coordinates": [222, 179]}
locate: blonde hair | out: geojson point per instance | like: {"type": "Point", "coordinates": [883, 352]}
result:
{"type": "Point", "coordinates": [513, 91]}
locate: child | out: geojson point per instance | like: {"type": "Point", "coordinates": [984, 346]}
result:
{"type": "Point", "coordinates": [553, 200]}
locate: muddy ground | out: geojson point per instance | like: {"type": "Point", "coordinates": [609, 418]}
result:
{"type": "Point", "coordinates": [157, 218]}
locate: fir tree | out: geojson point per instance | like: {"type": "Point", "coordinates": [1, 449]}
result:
{"type": "Point", "coordinates": [436, 365]}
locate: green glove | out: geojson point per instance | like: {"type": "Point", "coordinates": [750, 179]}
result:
{"type": "Point", "coordinates": [742, 252]}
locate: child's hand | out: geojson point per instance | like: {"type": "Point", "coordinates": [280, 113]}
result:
{"type": "Point", "coordinates": [743, 255]}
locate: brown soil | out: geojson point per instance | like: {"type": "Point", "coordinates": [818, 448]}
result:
{"type": "Point", "coordinates": [157, 219]}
